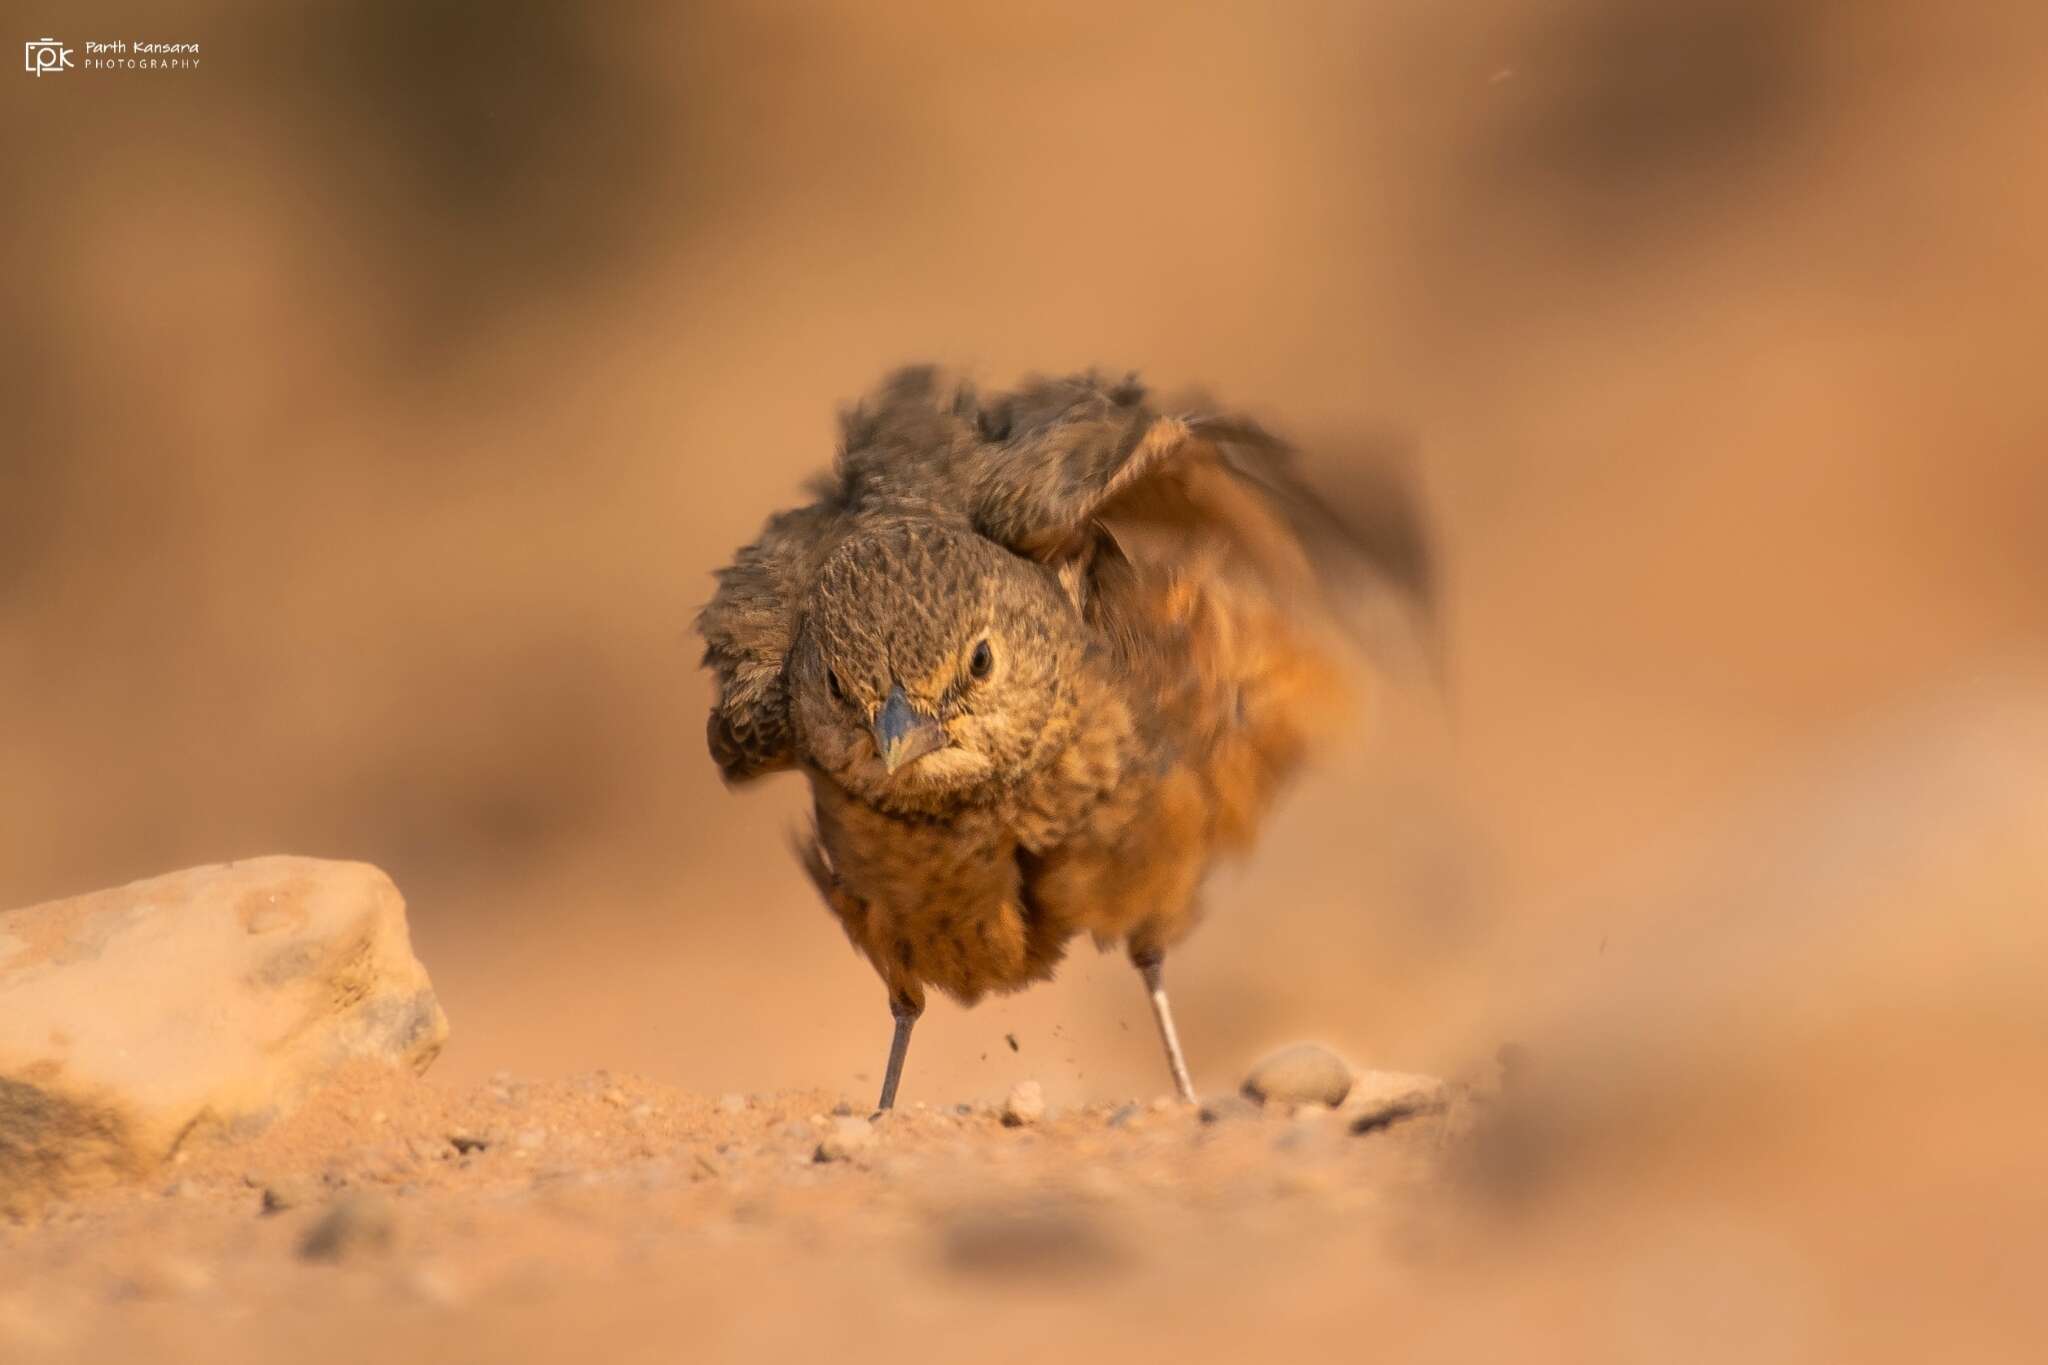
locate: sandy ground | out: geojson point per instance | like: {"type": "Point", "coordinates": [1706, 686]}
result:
{"type": "Point", "coordinates": [402, 1219]}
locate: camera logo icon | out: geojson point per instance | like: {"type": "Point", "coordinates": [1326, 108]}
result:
{"type": "Point", "coordinates": [44, 54]}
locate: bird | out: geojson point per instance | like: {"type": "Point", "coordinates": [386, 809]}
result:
{"type": "Point", "coordinates": [1045, 656]}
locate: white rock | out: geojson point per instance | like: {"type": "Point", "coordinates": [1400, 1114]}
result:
{"type": "Point", "coordinates": [208, 1001]}
{"type": "Point", "coordinates": [1306, 1073]}
{"type": "Point", "coordinates": [846, 1139]}
{"type": "Point", "coordinates": [1026, 1104]}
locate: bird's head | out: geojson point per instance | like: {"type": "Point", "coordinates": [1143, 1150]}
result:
{"type": "Point", "coordinates": [931, 664]}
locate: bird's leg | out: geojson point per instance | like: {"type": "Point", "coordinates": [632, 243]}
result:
{"type": "Point", "coordinates": [906, 1007]}
{"type": "Point", "coordinates": [1148, 961]}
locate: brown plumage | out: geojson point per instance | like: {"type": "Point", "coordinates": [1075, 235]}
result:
{"type": "Point", "coordinates": [1044, 656]}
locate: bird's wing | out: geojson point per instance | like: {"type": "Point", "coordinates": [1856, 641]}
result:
{"type": "Point", "coordinates": [1231, 594]}
{"type": "Point", "coordinates": [1083, 473]}
{"type": "Point", "coordinates": [748, 628]}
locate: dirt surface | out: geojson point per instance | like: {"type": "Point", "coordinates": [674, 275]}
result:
{"type": "Point", "coordinates": [396, 1216]}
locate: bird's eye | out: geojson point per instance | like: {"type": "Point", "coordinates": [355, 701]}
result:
{"type": "Point", "coordinates": [832, 686]}
{"type": "Point", "coordinates": [983, 662]}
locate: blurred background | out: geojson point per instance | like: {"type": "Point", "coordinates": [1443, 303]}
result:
{"type": "Point", "coordinates": [378, 397]}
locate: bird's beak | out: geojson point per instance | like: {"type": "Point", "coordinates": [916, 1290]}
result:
{"type": "Point", "coordinates": [902, 735]}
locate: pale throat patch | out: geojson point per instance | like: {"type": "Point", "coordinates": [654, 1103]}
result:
{"type": "Point", "coordinates": [948, 767]}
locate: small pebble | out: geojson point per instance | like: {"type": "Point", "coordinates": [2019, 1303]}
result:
{"type": "Point", "coordinates": [1383, 1116]}
{"type": "Point", "coordinates": [1382, 1098]}
{"type": "Point", "coordinates": [847, 1138]}
{"type": "Point", "coordinates": [1228, 1108]}
{"type": "Point", "coordinates": [353, 1225]}
{"type": "Point", "coordinates": [1124, 1115]}
{"type": "Point", "coordinates": [424, 1151]}
{"type": "Point", "coordinates": [287, 1192]}
{"type": "Point", "coordinates": [1026, 1104]}
{"type": "Point", "coordinates": [1306, 1073]}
